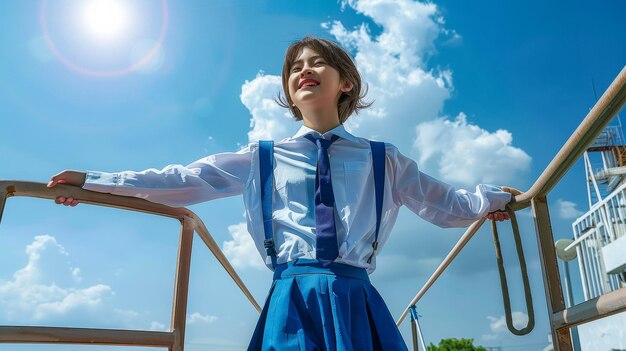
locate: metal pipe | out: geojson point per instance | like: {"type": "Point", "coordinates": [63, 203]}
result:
{"type": "Point", "coordinates": [602, 306]}
{"type": "Point", "coordinates": [600, 115]}
{"type": "Point", "coordinates": [190, 222]}
{"type": "Point", "coordinates": [181, 284]}
{"type": "Point", "coordinates": [469, 233]}
{"type": "Point", "coordinates": [215, 249]}
{"type": "Point", "coordinates": [40, 190]}
{"type": "Point", "coordinates": [56, 335]}
{"type": "Point", "coordinates": [561, 339]}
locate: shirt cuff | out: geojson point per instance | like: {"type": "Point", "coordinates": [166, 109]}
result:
{"type": "Point", "coordinates": [101, 181]}
{"type": "Point", "coordinates": [498, 198]}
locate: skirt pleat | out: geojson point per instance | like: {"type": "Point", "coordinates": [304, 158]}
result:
{"type": "Point", "coordinates": [335, 308]}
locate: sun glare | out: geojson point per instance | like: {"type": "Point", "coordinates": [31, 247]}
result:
{"type": "Point", "coordinates": [106, 38]}
{"type": "Point", "coordinates": [106, 19]}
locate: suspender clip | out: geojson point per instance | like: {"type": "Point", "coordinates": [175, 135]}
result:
{"type": "Point", "coordinates": [375, 247]}
{"type": "Point", "coordinates": [269, 247]}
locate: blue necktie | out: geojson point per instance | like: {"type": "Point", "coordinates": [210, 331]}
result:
{"type": "Point", "coordinates": [326, 234]}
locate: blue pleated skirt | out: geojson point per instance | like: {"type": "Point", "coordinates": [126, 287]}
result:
{"type": "Point", "coordinates": [334, 308]}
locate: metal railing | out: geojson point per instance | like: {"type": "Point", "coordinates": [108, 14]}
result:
{"type": "Point", "coordinates": [600, 227]}
{"type": "Point", "coordinates": [561, 318]}
{"type": "Point", "coordinates": [174, 340]}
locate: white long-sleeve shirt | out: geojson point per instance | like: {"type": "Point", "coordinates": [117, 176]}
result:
{"type": "Point", "coordinates": [236, 173]}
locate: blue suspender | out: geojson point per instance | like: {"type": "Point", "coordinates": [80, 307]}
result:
{"type": "Point", "coordinates": [378, 160]}
{"type": "Point", "coordinates": [266, 163]}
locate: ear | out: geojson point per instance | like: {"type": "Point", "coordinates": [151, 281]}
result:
{"type": "Point", "coordinates": [347, 86]}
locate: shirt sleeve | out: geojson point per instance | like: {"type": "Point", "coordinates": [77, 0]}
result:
{"type": "Point", "coordinates": [441, 203]}
{"type": "Point", "coordinates": [209, 178]}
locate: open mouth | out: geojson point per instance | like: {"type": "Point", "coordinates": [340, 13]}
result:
{"type": "Point", "coordinates": [308, 83]}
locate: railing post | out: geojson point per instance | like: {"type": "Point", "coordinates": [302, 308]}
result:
{"type": "Point", "coordinates": [181, 284]}
{"type": "Point", "coordinates": [561, 338]}
{"type": "Point", "coordinates": [4, 194]}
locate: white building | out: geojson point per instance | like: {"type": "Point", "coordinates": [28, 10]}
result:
{"type": "Point", "coordinates": [600, 237]}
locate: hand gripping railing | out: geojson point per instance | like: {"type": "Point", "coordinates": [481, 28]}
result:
{"type": "Point", "coordinates": [174, 339]}
{"type": "Point", "coordinates": [561, 318]}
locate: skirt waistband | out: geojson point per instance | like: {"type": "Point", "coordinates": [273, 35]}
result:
{"type": "Point", "coordinates": [302, 266]}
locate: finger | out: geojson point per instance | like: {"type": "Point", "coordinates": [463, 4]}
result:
{"type": "Point", "coordinates": [74, 203]}
{"type": "Point", "coordinates": [59, 199]}
{"type": "Point", "coordinates": [68, 201]}
{"type": "Point", "coordinates": [508, 189]}
{"type": "Point", "coordinates": [52, 182]}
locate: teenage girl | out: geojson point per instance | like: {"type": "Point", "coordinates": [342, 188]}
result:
{"type": "Point", "coordinates": [319, 205]}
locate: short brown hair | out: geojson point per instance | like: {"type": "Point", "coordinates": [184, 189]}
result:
{"type": "Point", "coordinates": [339, 59]}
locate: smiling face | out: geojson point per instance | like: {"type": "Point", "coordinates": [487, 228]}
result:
{"type": "Point", "coordinates": [313, 83]}
{"type": "Point", "coordinates": [334, 85]}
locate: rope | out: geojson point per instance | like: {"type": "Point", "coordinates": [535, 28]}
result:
{"type": "Point", "coordinates": [503, 282]}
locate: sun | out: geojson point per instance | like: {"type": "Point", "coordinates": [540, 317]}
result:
{"type": "Point", "coordinates": [105, 19]}
{"type": "Point", "coordinates": [117, 34]}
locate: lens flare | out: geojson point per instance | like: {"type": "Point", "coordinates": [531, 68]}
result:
{"type": "Point", "coordinates": [105, 19]}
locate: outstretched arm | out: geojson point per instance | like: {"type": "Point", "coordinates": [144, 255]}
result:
{"type": "Point", "coordinates": [212, 177]}
{"type": "Point", "coordinates": [440, 203]}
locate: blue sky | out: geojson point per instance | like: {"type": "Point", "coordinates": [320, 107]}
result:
{"type": "Point", "coordinates": [478, 92]}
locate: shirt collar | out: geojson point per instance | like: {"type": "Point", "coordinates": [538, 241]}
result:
{"type": "Point", "coordinates": [339, 131]}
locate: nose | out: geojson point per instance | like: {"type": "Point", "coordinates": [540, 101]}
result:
{"type": "Point", "coordinates": [305, 71]}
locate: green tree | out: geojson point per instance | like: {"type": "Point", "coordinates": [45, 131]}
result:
{"type": "Point", "coordinates": [454, 344]}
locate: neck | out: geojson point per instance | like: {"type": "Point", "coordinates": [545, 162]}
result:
{"type": "Point", "coordinates": [321, 121]}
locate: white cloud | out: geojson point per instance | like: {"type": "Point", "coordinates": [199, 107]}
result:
{"type": "Point", "coordinates": [393, 64]}
{"type": "Point", "coordinates": [72, 300]}
{"type": "Point", "coordinates": [127, 314]}
{"type": "Point", "coordinates": [42, 289]}
{"type": "Point", "coordinates": [241, 251]}
{"type": "Point", "coordinates": [196, 317]}
{"type": "Point", "coordinates": [156, 326]}
{"type": "Point", "coordinates": [567, 209]}
{"type": "Point", "coordinates": [463, 153]}
{"type": "Point", "coordinates": [409, 96]}
{"type": "Point", "coordinates": [498, 325]}
{"type": "Point", "coordinates": [269, 121]}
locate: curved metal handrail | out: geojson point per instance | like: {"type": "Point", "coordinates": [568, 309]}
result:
{"type": "Point", "coordinates": [503, 281]}
{"type": "Point", "coordinates": [596, 120]}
